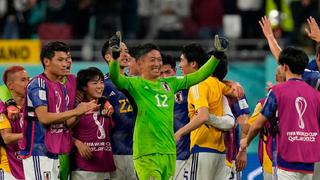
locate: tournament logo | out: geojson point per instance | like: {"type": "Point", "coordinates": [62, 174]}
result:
{"type": "Point", "coordinates": [165, 86]}
{"type": "Point", "coordinates": [301, 106]}
{"type": "Point", "coordinates": [67, 100]}
{"type": "Point", "coordinates": [58, 101]}
{"type": "Point", "coordinates": [101, 134]}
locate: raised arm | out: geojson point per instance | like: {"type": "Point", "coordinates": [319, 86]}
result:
{"type": "Point", "coordinates": [114, 68]}
{"type": "Point", "coordinates": [265, 25]}
{"type": "Point", "coordinates": [119, 80]}
{"type": "Point", "coordinates": [314, 32]}
{"type": "Point", "coordinates": [201, 74]}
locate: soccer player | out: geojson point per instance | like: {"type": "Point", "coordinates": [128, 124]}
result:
{"type": "Point", "coordinates": [122, 133]}
{"type": "Point", "coordinates": [133, 69]}
{"type": "Point", "coordinates": [16, 79]}
{"type": "Point", "coordinates": [205, 103]}
{"type": "Point", "coordinates": [183, 163]}
{"type": "Point", "coordinates": [298, 108]}
{"type": "Point", "coordinates": [264, 158]}
{"type": "Point", "coordinates": [45, 115]}
{"type": "Point", "coordinates": [168, 67]}
{"type": "Point", "coordinates": [310, 76]}
{"type": "Point", "coordinates": [240, 110]}
{"type": "Point", "coordinates": [92, 130]}
{"type": "Point", "coordinates": [154, 150]}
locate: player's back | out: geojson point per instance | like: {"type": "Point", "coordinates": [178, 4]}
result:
{"type": "Point", "coordinates": [207, 93]}
{"type": "Point", "coordinates": [299, 128]}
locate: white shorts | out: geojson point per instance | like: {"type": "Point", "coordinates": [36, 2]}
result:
{"type": "Point", "coordinates": [182, 171]}
{"type": "Point", "coordinates": [285, 175]}
{"type": "Point", "coordinates": [89, 175]}
{"type": "Point", "coordinates": [40, 168]}
{"type": "Point", "coordinates": [316, 174]}
{"type": "Point", "coordinates": [267, 176]}
{"type": "Point", "coordinates": [207, 165]}
{"type": "Point", "coordinates": [231, 173]}
{"type": "Point", "coordinates": [6, 175]}
{"type": "Point", "coordinates": [124, 168]}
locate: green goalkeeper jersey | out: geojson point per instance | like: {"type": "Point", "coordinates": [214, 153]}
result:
{"type": "Point", "coordinates": [5, 94]}
{"type": "Point", "coordinates": [153, 131]}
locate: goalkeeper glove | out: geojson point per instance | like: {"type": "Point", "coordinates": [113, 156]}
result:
{"type": "Point", "coordinates": [114, 43]}
{"type": "Point", "coordinates": [220, 46]}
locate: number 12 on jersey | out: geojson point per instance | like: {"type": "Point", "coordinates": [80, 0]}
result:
{"type": "Point", "coordinates": [161, 100]}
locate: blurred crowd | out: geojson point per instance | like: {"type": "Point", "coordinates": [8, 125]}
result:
{"type": "Point", "coordinates": [152, 19]}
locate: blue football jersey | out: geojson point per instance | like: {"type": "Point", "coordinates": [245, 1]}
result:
{"type": "Point", "coordinates": [312, 78]}
{"type": "Point", "coordinates": [313, 65]}
{"type": "Point", "coordinates": [240, 107]}
{"type": "Point", "coordinates": [122, 134]}
{"type": "Point", "coordinates": [36, 96]}
{"type": "Point", "coordinates": [181, 119]}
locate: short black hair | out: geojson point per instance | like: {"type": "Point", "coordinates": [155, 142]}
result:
{"type": "Point", "coordinates": [145, 49]}
{"type": "Point", "coordinates": [221, 70]}
{"type": "Point", "coordinates": [295, 58]}
{"type": "Point", "coordinates": [105, 48]}
{"type": "Point", "coordinates": [49, 49]}
{"type": "Point", "coordinates": [86, 75]}
{"type": "Point", "coordinates": [195, 53]}
{"type": "Point", "coordinates": [168, 60]}
{"type": "Point", "coordinates": [133, 51]}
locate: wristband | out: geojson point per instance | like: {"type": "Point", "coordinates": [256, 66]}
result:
{"type": "Point", "coordinates": [11, 102]}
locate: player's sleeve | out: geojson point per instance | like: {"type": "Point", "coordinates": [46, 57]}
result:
{"type": "Point", "coordinates": [312, 78]}
{"type": "Point", "coordinates": [226, 90]}
{"type": "Point", "coordinates": [4, 122]}
{"type": "Point", "coordinates": [270, 107]}
{"type": "Point", "coordinates": [36, 93]}
{"type": "Point", "coordinates": [199, 94]}
{"type": "Point", "coordinates": [185, 82]}
{"type": "Point", "coordinates": [240, 107]}
{"type": "Point", "coordinates": [119, 80]}
{"type": "Point", "coordinates": [255, 113]}
{"type": "Point", "coordinates": [5, 94]}
{"type": "Point", "coordinates": [224, 122]}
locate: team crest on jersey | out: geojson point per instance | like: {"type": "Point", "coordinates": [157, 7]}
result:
{"type": "Point", "coordinates": [165, 86]}
{"type": "Point", "coordinates": [178, 97]}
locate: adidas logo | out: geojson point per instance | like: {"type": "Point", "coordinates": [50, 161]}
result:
{"type": "Point", "coordinates": [112, 93]}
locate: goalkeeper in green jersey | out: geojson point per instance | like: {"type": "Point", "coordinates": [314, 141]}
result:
{"type": "Point", "coordinates": [154, 150]}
